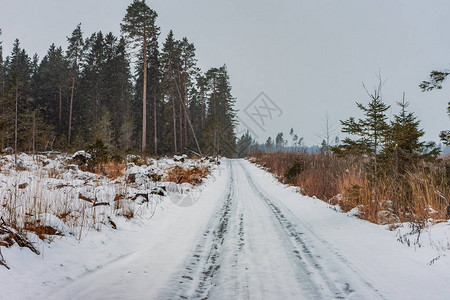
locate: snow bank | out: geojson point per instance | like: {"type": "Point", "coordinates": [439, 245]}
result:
{"type": "Point", "coordinates": [51, 196]}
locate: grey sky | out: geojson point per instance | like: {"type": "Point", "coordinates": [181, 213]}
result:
{"type": "Point", "coordinates": [308, 56]}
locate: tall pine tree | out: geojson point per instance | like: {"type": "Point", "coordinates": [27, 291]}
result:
{"type": "Point", "coordinates": [74, 54]}
{"type": "Point", "coordinates": [139, 29]}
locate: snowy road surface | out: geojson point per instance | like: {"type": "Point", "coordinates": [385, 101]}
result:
{"type": "Point", "coordinates": [248, 237]}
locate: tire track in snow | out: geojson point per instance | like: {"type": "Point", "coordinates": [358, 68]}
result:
{"type": "Point", "coordinates": [240, 267]}
{"type": "Point", "coordinates": [304, 253]}
{"type": "Point", "coordinates": [197, 278]}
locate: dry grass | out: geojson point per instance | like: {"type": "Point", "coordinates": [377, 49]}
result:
{"type": "Point", "coordinates": [421, 194]}
{"type": "Point", "coordinates": [24, 207]}
{"type": "Point", "coordinates": [193, 175]}
{"type": "Point", "coordinates": [112, 170]}
{"type": "Point", "coordinates": [54, 192]}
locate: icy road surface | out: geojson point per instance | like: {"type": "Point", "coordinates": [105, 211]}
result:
{"type": "Point", "coordinates": [248, 237]}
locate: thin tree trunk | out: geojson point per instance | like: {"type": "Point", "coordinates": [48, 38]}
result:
{"type": "Point", "coordinates": [203, 109]}
{"type": "Point", "coordinates": [34, 132]}
{"type": "Point", "coordinates": [185, 104]}
{"type": "Point", "coordinates": [376, 188]}
{"type": "Point", "coordinates": [215, 117]}
{"type": "Point", "coordinates": [376, 179]}
{"type": "Point", "coordinates": [69, 135]}
{"type": "Point", "coordinates": [154, 125]}
{"type": "Point", "coordinates": [174, 124]}
{"type": "Point", "coordinates": [144, 100]}
{"type": "Point", "coordinates": [15, 122]}
{"type": "Point", "coordinates": [60, 105]}
{"type": "Point", "coordinates": [180, 125]}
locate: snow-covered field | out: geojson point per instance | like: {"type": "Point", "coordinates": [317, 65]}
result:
{"type": "Point", "coordinates": [245, 236]}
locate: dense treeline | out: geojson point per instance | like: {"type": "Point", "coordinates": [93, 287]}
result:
{"type": "Point", "coordinates": [125, 91]}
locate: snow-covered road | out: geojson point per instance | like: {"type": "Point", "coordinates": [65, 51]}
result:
{"type": "Point", "coordinates": [248, 237]}
{"type": "Point", "coordinates": [254, 248]}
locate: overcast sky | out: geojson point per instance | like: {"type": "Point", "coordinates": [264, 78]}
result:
{"type": "Point", "coordinates": [309, 57]}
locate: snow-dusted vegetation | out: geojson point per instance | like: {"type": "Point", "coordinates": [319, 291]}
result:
{"type": "Point", "coordinates": [48, 195]}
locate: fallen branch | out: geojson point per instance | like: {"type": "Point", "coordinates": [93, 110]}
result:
{"type": "Point", "coordinates": [12, 236]}
{"type": "Point", "coordinates": [2, 260]}
{"type": "Point", "coordinates": [101, 203]}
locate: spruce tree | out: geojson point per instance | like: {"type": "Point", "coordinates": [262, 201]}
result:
{"type": "Point", "coordinates": [116, 85]}
{"type": "Point", "coordinates": [244, 144]}
{"type": "Point", "coordinates": [18, 82]}
{"type": "Point", "coordinates": [220, 117]}
{"type": "Point", "coordinates": [91, 82]}
{"type": "Point", "coordinates": [170, 62]}
{"type": "Point", "coordinates": [370, 133]}
{"type": "Point", "coordinates": [91, 91]}
{"type": "Point", "coordinates": [279, 141]}
{"type": "Point", "coordinates": [269, 144]}
{"type": "Point", "coordinates": [51, 85]}
{"type": "Point", "coordinates": [403, 148]}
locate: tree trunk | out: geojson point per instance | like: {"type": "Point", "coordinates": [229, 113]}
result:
{"type": "Point", "coordinates": [174, 124]}
{"type": "Point", "coordinates": [144, 100]}
{"type": "Point", "coordinates": [215, 117]}
{"type": "Point", "coordinates": [203, 110]}
{"type": "Point", "coordinates": [154, 125]}
{"type": "Point", "coordinates": [180, 115]}
{"type": "Point", "coordinates": [15, 122]}
{"type": "Point", "coordinates": [185, 105]}
{"type": "Point", "coordinates": [180, 125]}
{"type": "Point", "coordinates": [376, 178]}
{"type": "Point", "coordinates": [60, 105]}
{"type": "Point", "coordinates": [69, 135]}
{"type": "Point", "coordinates": [34, 133]}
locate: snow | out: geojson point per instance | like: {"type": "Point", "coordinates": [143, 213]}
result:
{"type": "Point", "coordinates": [245, 236]}
{"type": "Point", "coordinates": [81, 153]}
{"type": "Point", "coordinates": [54, 222]}
{"type": "Point", "coordinates": [396, 270]}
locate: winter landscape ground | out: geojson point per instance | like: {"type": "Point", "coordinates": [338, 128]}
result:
{"type": "Point", "coordinates": [224, 150]}
{"type": "Point", "coordinates": [244, 235]}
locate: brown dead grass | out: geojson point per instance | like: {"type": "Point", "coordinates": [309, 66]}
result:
{"type": "Point", "coordinates": [192, 175]}
{"type": "Point", "coordinates": [421, 194]}
{"type": "Point", "coordinates": [112, 170]}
